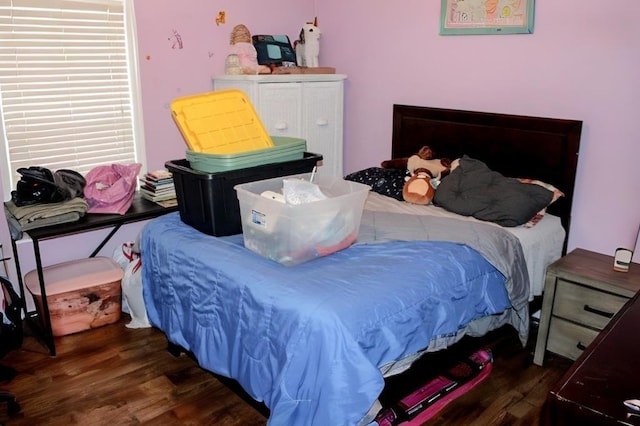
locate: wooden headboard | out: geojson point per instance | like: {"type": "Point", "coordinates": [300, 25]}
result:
{"type": "Point", "coordinates": [516, 146]}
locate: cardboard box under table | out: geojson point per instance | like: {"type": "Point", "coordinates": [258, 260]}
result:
{"type": "Point", "coordinates": [81, 294]}
{"type": "Point", "coordinates": [295, 233]}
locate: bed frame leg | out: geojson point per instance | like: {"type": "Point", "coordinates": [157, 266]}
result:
{"type": "Point", "coordinates": [175, 350]}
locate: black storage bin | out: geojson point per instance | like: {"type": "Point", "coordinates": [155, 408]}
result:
{"type": "Point", "coordinates": [208, 202]}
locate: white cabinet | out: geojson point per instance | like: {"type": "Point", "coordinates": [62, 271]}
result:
{"type": "Point", "coordinates": [307, 106]}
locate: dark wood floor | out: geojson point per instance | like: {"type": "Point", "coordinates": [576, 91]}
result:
{"type": "Point", "coordinates": [119, 376]}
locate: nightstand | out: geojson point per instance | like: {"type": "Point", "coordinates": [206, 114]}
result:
{"type": "Point", "coordinates": [582, 293]}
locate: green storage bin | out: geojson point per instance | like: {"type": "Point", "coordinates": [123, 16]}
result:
{"type": "Point", "coordinates": [284, 149]}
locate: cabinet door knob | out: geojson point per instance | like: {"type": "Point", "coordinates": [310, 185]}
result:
{"type": "Point", "coordinates": [281, 126]}
{"type": "Point", "coordinates": [322, 122]}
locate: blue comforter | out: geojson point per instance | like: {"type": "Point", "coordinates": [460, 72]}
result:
{"type": "Point", "coordinates": [309, 340]}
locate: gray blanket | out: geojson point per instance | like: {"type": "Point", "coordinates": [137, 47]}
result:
{"type": "Point", "coordinates": [501, 248]}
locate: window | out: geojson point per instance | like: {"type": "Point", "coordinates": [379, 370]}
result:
{"type": "Point", "coordinates": [67, 85]}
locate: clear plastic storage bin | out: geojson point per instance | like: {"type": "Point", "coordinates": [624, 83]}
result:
{"type": "Point", "coordinates": [293, 234]}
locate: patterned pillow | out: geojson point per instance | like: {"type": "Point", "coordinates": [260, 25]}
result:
{"type": "Point", "coordinates": [387, 182]}
{"type": "Point", "coordinates": [556, 194]}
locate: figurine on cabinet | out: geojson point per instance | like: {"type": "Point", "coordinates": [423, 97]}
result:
{"type": "Point", "coordinates": [242, 47]}
{"type": "Point", "coordinates": [308, 46]}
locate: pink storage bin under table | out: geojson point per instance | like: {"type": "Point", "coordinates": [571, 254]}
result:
{"type": "Point", "coordinates": [81, 294]}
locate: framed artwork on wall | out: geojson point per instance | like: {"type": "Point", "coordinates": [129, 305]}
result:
{"type": "Point", "coordinates": [459, 17]}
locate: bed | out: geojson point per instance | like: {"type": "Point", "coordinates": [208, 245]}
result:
{"type": "Point", "coordinates": [314, 342]}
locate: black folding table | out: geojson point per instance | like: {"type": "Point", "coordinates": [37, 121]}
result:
{"type": "Point", "coordinates": [141, 209]}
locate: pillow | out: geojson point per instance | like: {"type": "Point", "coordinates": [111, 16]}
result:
{"type": "Point", "coordinates": [472, 189]}
{"type": "Point", "coordinates": [387, 182]}
{"type": "Point", "coordinates": [556, 194]}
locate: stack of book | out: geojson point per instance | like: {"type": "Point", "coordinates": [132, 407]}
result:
{"type": "Point", "coordinates": [157, 186]}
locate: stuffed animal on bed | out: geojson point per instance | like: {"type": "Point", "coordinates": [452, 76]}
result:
{"type": "Point", "coordinates": [401, 163]}
{"type": "Point", "coordinates": [418, 189]}
{"type": "Point", "coordinates": [424, 173]}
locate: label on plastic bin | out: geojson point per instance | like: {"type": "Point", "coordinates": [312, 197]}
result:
{"type": "Point", "coordinates": [258, 218]}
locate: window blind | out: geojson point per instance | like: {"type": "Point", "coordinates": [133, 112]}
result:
{"type": "Point", "coordinates": [65, 84]}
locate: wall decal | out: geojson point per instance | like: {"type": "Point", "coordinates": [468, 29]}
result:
{"type": "Point", "coordinates": [221, 19]}
{"type": "Point", "coordinates": [176, 40]}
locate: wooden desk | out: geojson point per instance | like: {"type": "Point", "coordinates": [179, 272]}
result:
{"type": "Point", "coordinates": [593, 390]}
{"type": "Point", "coordinates": [141, 209]}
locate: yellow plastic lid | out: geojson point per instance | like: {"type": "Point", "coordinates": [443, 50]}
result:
{"type": "Point", "coordinates": [220, 122]}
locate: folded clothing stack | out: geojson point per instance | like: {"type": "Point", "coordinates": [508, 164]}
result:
{"type": "Point", "coordinates": [24, 218]}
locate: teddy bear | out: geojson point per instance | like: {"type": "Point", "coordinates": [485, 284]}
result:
{"type": "Point", "coordinates": [401, 163]}
{"type": "Point", "coordinates": [424, 173]}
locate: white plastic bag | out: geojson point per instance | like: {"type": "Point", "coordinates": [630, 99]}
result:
{"type": "Point", "coordinates": [128, 257]}
{"type": "Point", "coordinates": [132, 293]}
{"type": "Point", "coordinates": [300, 191]}
{"type": "Point", "coordinates": [125, 254]}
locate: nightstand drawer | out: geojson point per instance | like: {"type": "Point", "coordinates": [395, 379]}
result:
{"type": "Point", "coordinates": [569, 339]}
{"type": "Point", "coordinates": [585, 305]}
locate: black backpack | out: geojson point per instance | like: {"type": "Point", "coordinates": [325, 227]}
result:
{"type": "Point", "coordinates": [38, 185]}
{"type": "Point", "coordinates": [11, 334]}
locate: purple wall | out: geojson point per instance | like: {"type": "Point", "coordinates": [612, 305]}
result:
{"type": "Point", "coordinates": [581, 62]}
{"type": "Point", "coordinates": [169, 71]}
